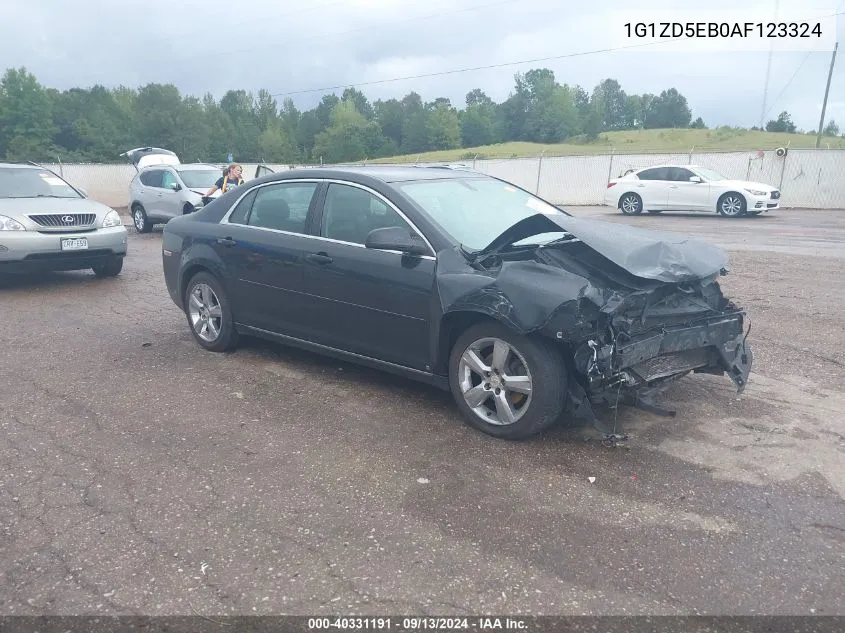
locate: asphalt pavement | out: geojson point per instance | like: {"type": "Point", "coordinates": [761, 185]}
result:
{"type": "Point", "coordinates": [142, 475]}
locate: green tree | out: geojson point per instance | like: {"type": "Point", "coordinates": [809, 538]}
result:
{"type": "Point", "coordinates": [611, 102]}
{"type": "Point", "coordinates": [26, 117]}
{"type": "Point", "coordinates": [668, 110]}
{"type": "Point", "coordinates": [782, 124]}
{"type": "Point", "coordinates": [443, 126]}
{"type": "Point", "coordinates": [831, 129]}
{"type": "Point", "coordinates": [349, 137]}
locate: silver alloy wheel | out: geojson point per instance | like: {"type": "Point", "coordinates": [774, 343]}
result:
{"type": "Point", "coordinates": [138, 218]}
{"type": "Point", "coordinates": [205, 312]}
{"type": "Point", "coordinates": [630, 204]}
{"type": "Point", "coordinates": [495, 381]}
{"type": "Point", "coordinates": [731, 205]}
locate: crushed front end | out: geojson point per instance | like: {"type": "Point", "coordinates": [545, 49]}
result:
{"type": "Point", "coordinates": [649, 341]}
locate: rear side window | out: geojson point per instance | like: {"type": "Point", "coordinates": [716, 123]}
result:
{"type": "Point", "coordinates": [241, 212]}
{"type": "Point", "coordinates": [283, 206]}
{"type": "Point", "coordinates": [656, 173]}
{"type": "Point", "coordinates": [152, 178]}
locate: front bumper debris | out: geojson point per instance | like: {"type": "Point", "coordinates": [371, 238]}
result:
{"type": "Point", "coordinates": [633, 370]}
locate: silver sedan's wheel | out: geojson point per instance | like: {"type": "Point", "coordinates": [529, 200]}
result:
{"type": "Point", "coordinates": [495, 381]}
{"type": "Point", "coordinates": [205, 313]}
{"type": "Point", "coordinates": [732, 205]}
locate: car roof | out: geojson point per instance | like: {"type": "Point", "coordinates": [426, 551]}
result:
{"type": "Point", "coordinates": [180, 166]}
{"type": "Point", "coordinates": [20, 166]}
{"type": "Point", "coordinates": [384, 173]}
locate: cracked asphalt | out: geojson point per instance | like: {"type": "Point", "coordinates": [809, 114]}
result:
{"type": "Point", "coordinates": [142, 475]}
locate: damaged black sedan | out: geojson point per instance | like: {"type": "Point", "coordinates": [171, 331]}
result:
{"type": "Point", "coordinates": [526, 313]}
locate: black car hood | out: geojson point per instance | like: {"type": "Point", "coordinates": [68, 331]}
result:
{"type": "Point", "coordinates": [656, 255]}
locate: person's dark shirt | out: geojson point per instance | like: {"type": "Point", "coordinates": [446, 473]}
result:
{"type": "Point", "coordinates": [230, 183]}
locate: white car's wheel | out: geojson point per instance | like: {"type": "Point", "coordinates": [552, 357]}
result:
{"type": "Point", "coordinates": [631, 204]}
{"type": "Point", "coordinates": [731, 205]}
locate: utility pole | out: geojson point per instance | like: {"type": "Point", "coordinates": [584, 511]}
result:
{"type": "Point", "coordinates": [826, 91]}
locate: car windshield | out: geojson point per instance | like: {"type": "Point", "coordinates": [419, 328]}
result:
{"type": "Point", "coordinates": [475, 211]}
{"type": "Point", "coordinates": [25, 182]}
{"type": "Point", "coordinates": [199, 178]}
{"type": "Point", "coordinates": [709, 174]}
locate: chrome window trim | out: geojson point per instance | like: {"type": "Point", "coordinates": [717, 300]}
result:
{"type": "Point", "coordinates": [318, 181]}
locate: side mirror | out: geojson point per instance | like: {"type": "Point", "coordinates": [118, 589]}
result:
{"type": "Point", "coordinates": [394, 238]}
{"type": "Point", "coordinates": [695, 179]}
{"type": "Point", "coordinates": [175, 186]}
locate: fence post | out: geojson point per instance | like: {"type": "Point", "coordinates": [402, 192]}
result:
{"type": "Point", "coordinates": [61, 167]}
{"type": "Point", "coordinates": [610, 166]}
{"type": "Point", "coordinates": [474, 158]}
{"type": "Point", "coordinates": [539, 169]}
{"type": "Point", "coordinates": [690, 155]}
{"type": "Point", "coordinates": [782, 170]}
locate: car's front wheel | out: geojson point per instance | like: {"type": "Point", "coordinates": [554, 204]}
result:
{"type": "Point", "coordinates": [209, 313]}
{"type": "Point", "coordinates": [506, 385]}
{"type": "Point", "coordinates": [731, 205]}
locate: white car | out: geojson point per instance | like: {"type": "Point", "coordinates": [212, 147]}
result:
{"type": "Point", "coordinates": [688, 188]}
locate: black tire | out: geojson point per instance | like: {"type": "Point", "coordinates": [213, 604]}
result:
{"type": "Point", "coordinates": [188, 208]}
{"type": "Point", "coordinates": [140, 220]}
{"type": "Point", "coordinates": [227, 336]}
{"type": "Point", "coordinates": [110, 268]}
{"type": "Point", "coordinates": [631, 204]}
{"type": "Point", "coordinates": [731, 205]}
{"type": "Point", "coordinates": [547, 376]}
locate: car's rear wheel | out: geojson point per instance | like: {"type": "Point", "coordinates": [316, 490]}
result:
{"type": "Point", "coordinates": [209, 313]}
{"type": "Point", "coordinates": [731, 205]}
{"type": "Point", "coordinates": [140, 220]}
{"type": "Point", "coordinates": [506, 385]}
{"type": "Point", "coordinates": [109, 268]}
{"type": "Point", "coordinates": [631, 204]}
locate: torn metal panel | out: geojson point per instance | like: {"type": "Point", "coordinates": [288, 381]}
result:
{"type": "Point", "coordinates": [649, 254]}
{"type": "Point", "coordinates": [636, 309]}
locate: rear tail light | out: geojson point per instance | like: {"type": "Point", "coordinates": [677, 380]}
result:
{"type": "Point", "coordinates": [610, 184]}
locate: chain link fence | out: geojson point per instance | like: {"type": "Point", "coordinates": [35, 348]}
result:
{"type": "Point", "coordinates": [807, 178]}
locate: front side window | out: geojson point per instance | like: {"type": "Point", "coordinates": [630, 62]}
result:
{"type": "Point", "coordinates": [168, 179]}
{"type": "Point", "coordinates": [23, 182]}
{"type": "Point", "coordinates": [350, 213]}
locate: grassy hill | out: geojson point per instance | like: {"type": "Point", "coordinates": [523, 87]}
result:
{"type": "Point", "coordinates": [633, 142]}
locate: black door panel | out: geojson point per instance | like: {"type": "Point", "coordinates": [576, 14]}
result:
{"type": "Point", "coordinates": [372, 302]}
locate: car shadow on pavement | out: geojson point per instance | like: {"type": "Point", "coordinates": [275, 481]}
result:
{"type": "Point", "coordinates": [34, 281]}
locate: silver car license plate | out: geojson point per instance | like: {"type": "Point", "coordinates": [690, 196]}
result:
{"type": "Point", "coordinates": [74, 244]}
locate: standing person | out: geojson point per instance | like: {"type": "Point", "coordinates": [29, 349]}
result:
{"type": "Point", "coordinates": [231, 178]}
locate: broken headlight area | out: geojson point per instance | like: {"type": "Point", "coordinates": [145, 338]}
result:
{"type": "Point", "coordinates": [633, 358]}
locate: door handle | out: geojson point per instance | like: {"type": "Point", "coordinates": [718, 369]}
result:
{"type": "Point", "coordinates": [319, 258]}
{"type": "Point", "coordinates": [226, 241]}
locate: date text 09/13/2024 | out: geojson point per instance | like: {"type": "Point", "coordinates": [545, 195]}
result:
{"type": "Point", "coordinates": [417, 623]}
{"type": "Point", "coordinates": [774, 30]}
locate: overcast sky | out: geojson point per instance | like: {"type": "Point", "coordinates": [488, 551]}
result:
{"type": "Point", "coordinates": [286, 47]}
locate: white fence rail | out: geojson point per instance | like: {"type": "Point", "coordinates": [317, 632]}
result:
{"type": "Point", "coordinates": [807, 178]}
